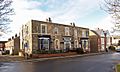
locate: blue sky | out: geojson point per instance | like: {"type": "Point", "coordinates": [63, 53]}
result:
{"type": "Point", "coordinates": [85, 13]}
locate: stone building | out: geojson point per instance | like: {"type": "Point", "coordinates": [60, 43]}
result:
{"type": "Point", "coordinates": [46, 35]}
{"type": "Point", "coordinates": [13, 45]}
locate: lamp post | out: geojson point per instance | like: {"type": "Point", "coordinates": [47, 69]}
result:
{"type": "Point", "coordinates": [105, 41]}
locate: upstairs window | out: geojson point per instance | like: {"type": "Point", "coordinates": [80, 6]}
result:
{"type": "Point", "coordinates": [87, 33]}
{"type": "Point", "coordinates": [26, 29]}
{"type": "Point", "coordinates": [67, 31]}
{"type": "Point", "coordinates": [75, 33]}
{"type": "Point", "coordinates": [55, 30]}
{"type": "Point", "coordinates": [83, 33]}
{"type": "Point", "coordinates": [43, 29]}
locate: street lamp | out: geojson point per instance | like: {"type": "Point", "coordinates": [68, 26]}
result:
{"type": "Point", "coordinates": [105, 40]}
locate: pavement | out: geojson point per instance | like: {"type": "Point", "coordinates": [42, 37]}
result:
{"type": "Point", "coordinates": [9, 58]}
{"type": "Point", "coordinates": [62, 57]}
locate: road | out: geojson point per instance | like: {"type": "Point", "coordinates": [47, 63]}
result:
{"type": "Point", "coordinates": [97, 63]}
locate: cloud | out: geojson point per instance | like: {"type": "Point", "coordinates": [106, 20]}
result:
{"type": "Point", "coordinates": [25, 4]}
{"type": "Point", "coordinates": [26, 10]}
{"type": "Point", "coordinates": [61, 11]}
{"type": "Point", "coordinates": [74, 10]}
{"type": "Point", "coordinates": [105, 23]}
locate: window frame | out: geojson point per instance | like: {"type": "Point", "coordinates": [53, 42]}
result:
{"type": "Point", "coordinates": [67, 31]}
{"type": "Point", "coordinates": [57, 43]}
{"type": "Point", "coordinates": [55, 31]}
{"type": "Point", "coordinates": [75, 32]}
{"type": "Point", "coordinates": [45, 28]}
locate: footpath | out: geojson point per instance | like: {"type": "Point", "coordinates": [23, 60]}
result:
{"type": "Point", "coordinates": [8, 58]}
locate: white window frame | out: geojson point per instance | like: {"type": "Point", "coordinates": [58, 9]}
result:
{"type": "Point", "coordinates": [67, 31]}
{"type": "Point", "coordinates": [75, 32]}
{"type": "Point", "coordinates": [76, 41]}
{"type": "Point", "coordinates": [83, 33]}
{"type": "Point", "coordinates": [45, 28]}
{"type": "Point", "coordinates": [65, 44]}
{"type": "Point", "coordinates": [26, 29]}
{"type": "Point", "coordinates": [57, 44]}
{"type": "Point", "coordinates": [55, 29]}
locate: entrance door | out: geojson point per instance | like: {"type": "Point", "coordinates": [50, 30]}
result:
{"type": "Point", "coordinates": [67, 45]}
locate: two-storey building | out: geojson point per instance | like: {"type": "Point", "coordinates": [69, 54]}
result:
{"type": "Point", "coordinates": [46, 35]}
{"type": "Point", "coordinates": [13, 45]}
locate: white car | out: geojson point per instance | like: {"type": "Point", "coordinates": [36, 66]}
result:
{"type": "Point", "coordinates": [0, 52]}
{"type": "Point", "coordinates": [118, 50]}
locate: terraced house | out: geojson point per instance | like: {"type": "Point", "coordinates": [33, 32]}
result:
{"type": "Point", "coordinates": [99, 41]}
{"type": "Point", "coordinates": [46, 35]}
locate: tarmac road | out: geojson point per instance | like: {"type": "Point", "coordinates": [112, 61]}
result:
{"type": "Point", "coordinates": [96, 63]}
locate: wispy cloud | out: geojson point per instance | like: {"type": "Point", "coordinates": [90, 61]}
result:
{"type": "Point", "coordinates": [62, 11]}
{"type": "Point", "coordinates": [72, 10]}
{"type": "Point", "coordinates": [25, 4]}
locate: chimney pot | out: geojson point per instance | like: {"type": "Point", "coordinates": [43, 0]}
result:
{"type": "Point", "coordinates": [49, 19]}
{"type": "Point", "coordinates": [12, 37]}
{"type": "Point", "coordinates": [71, 23]}
{"type": "Point", "coordinates": [15, 35]}
{"type": "Point", "coordinates": [46, 20]}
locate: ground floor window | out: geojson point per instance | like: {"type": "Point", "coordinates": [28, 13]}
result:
{"type": "Point", "coordinates": [44, 43]}
{"type": "Point", "coordinates": [57, 44]}
{"type": "Point", "coordinates": [76, 44]}
{"type": "Point", "coordinates": [85, 45]}
{"type": "Point", "coordinates": [67, 43]}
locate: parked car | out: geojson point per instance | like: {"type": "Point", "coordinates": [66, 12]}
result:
{"type": "Point", "coordinates": [2, 52]}
{"type": "Point", "coordinates": [118, 50]}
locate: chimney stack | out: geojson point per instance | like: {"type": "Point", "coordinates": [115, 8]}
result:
{"type": "Point", "coordinates": [46, 20]}
{"type": "Point", "coordinates": [49, 19]}
{"type": "Point", "coordinates": [73, 24]}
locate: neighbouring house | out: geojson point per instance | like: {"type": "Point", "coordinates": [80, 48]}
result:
{"type": "Point", "coordinates": [46, 35]}
{"type": "Point", "coordinates": [99, 40]}
{"type": "Point", "coordinates": [2, 45]}
{"type": "Point", "coordinates": [115, 39]}
{"type": "Point", "coordinates": [94, 41]}
{"type": "Point", "coordinates": [13, 45]}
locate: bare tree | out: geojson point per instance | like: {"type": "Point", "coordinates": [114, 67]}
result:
{"type": "Point", "coordinates": [113, 8]}
{"type": "Point", "coordinates": [5, 11]}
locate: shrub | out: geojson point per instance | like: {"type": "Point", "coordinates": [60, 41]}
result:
{"type": "Point", "coordinates": [47, 52]}
{"type": "Point", "coordinates": [7, 52]}
{"type": "Point", "coordinates": [112, 48]}
{"type": "Point", "coordinates": [73, 50]}
{"type": "Point", "coordinates": [79, 51]}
